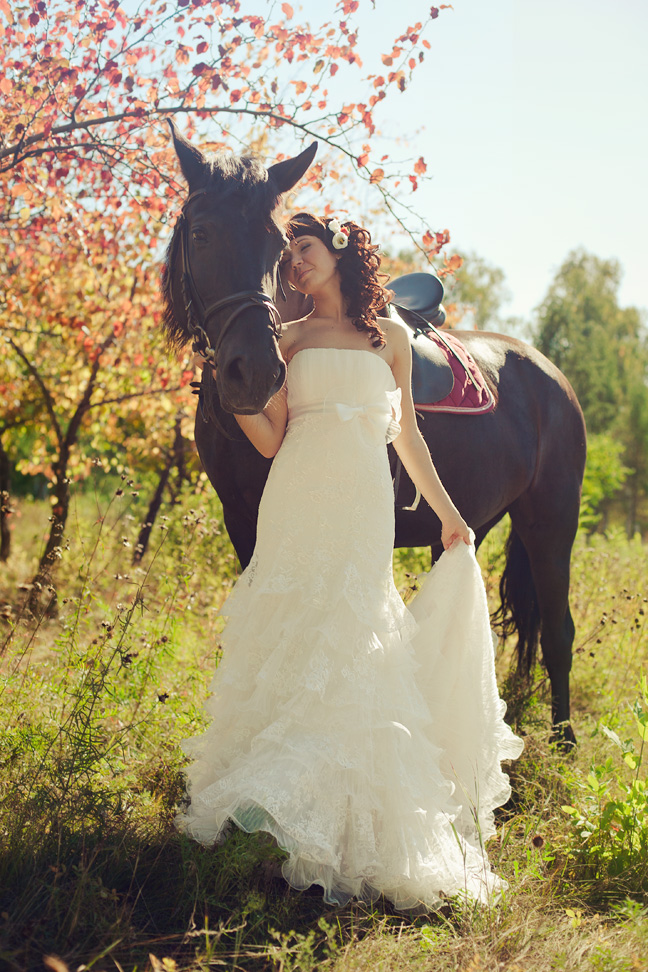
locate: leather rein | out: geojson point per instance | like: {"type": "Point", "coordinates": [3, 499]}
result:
{"type": "Point", "coordinates": [198, 315]}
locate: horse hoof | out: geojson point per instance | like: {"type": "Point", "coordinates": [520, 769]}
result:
{"type": "Point", "coordinates": [564, 738]}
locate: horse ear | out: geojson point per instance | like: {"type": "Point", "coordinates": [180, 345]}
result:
{"type": "Point", "coordinates": [192, 161]}
{"type": "Point", "coordinates": [287, 174]}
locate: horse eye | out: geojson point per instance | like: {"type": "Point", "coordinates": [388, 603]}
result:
{"type": "Point", "coordinates": [199, 236]}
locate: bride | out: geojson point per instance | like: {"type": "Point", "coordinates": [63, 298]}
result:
{"type": "Point", "coordinates": [366, 737]}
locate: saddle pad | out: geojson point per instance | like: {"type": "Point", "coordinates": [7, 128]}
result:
{"type": "Point", "coordinates": [470, 395]}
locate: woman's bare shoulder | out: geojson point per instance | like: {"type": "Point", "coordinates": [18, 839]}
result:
{"type": "Point", "coordinates": [397, 336]}
{"type": "Point", "coordinates": [290, 335]}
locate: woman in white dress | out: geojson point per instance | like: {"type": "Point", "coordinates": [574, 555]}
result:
{"type": "Point", "coordinates": [366, 737]}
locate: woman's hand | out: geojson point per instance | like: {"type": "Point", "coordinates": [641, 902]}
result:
{"type": "Point", "coordinates": [454, 528]}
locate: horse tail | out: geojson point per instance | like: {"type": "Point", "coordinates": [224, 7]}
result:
{"type": "Point", "coordinates": [519, 610]}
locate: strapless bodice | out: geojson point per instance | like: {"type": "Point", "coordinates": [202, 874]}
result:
{"type": "Point", "coordinates": [346, 384]}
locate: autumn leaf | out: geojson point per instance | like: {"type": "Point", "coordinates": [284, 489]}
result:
{"type": "Point", "coordinates": [420, 167]}
{"type": "Point", "coordinates": [377, 175]}
{"type": "Point", "coordinates": [453, 263]}
{"type": "Point", "coordinates": [288, 10]}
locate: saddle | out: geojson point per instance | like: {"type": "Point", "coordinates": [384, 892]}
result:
{"type": "Point", "coordinates": [445, 377]}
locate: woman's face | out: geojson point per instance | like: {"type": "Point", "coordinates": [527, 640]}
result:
{"type": "Point", "coordinates": [308, 264]}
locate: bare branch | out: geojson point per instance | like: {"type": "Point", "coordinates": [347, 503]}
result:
{"type": "Point", "coordinates": [45, 392]}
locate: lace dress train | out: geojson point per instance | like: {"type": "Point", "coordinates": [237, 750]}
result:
{"type": "Point", "coordinates": [364, 735]}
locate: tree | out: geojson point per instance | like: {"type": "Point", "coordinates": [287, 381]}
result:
{"type": "Point", "coordinates": [86, 88]}
{"type": "Point", "coordinates": [603, 349]}
{"type": "Point", "coordinates": [475, 292]}
{"type": "Point", "coordinates": [89, 293]}
{"type": "Point", "coordinates": [474, 289]}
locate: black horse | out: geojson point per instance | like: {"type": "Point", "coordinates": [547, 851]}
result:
{"type": "Point", "coordinates": [525, 458]}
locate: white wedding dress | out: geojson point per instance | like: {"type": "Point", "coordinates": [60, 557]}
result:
{"type": "Point", "coordinates": [364, 735]}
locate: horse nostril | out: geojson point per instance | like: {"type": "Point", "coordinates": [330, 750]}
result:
{"type": "Point", "coordinates": [234, 370]}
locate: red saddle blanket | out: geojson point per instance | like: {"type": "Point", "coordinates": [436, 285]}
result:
{"type": "Point", "coordinates": [470, 394]}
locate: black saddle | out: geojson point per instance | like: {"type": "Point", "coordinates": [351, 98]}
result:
{"type": "Point", "coordinates": [417, 302]}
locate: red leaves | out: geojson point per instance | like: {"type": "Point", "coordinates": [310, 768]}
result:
{"type": "Point", "coordinates": [377, 175]}
{"type": "Point", "coordinates": [420, 167]}
{"type": "Point", "coordinates": [451, 265]}
{"type": "Point", "coordinates": [434, 12]}
{"type": "Point", "coordinates": [33, 19]}
{"type": "Point", "coordinates": [362, 160]}
{"type": "Point", "coordinates": [433, 242]}
{"type": "Point", "coordinates": [202, 47]}
{"type": "Point", "coordinates": [200, 68]}
{"type": "Point", "coordinates": [288, 10]}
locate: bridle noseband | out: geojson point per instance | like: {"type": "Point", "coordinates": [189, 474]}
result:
{"type": "Point", "coordinates": [198, 314]}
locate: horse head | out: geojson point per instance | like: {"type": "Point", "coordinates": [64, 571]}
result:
{"type": "Point", "coordinates": [222, 267]}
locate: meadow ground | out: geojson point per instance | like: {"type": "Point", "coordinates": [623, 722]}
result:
{"type": "Point", "coordinates": [93, 704]}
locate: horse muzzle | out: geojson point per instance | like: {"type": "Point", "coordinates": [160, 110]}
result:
{"type": "Point", "coordinates": [244, 388]}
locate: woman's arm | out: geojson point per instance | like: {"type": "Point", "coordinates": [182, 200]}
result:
{"type": "Point", "coordinates": [411, 446]}
{"type": "Point", "coordinates": [267, 429]}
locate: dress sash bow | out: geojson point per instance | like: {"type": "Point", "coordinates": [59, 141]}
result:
{"type": "Point", "coordinates": [384, 414]}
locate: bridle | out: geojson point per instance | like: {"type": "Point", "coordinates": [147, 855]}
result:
{"type": "Point", "coordinates": [198, 314]}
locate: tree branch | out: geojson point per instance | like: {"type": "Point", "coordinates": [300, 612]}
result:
{"type": "Point", "coordinates": [47, 395]}
{"type": "Point", "coordinates": [125, 398]}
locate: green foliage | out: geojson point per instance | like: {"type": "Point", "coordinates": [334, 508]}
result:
{"type": "Point", "coordinates": [582, 329]}
{"type": "Point", "coordinates": [478, 289]}
{"type": "Point", "coordinates": [605, 474]}
{"type": "Point", "coordinates": [93, 706]}
{"type": "Point", "coordinates": [610, 820]}
{"type": "Point", "coordinates": [602, 348]}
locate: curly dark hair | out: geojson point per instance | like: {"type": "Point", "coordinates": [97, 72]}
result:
{"type": "Point", "coordinates": [359, 268]}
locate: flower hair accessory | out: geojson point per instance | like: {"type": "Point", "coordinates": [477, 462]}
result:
{"type": "Point", "coordinates": [340, 234]}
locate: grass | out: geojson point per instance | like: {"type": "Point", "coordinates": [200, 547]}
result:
{"type": "Point", "coordinates": [94, 703]}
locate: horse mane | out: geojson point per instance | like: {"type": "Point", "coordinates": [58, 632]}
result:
{"type": "Point", "coordinates": [225, 174]}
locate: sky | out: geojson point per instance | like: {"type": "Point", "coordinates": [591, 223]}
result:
{"type": "Point", "coordinates": [533, 119]}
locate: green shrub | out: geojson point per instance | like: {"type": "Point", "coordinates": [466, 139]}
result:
{"type": "Point", "coordinates": [610, 822]}
{"type": "Point", "coordinates": [604, 476]}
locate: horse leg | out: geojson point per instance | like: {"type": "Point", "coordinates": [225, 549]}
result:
{"type": "Point", "coordinates": [548, 547]}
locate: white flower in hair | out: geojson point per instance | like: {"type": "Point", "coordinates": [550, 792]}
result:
{"type": "Point", "coordinates": [340, 237]}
